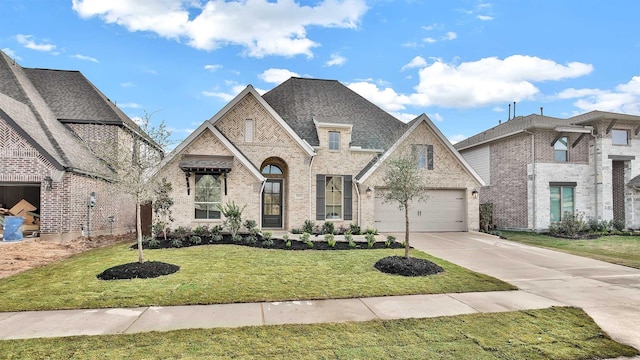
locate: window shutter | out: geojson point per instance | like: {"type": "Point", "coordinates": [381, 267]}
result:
{"type": "Point", "coordinates": [348, 198]}
{"type": "Point", "coordinates": [429, 157]}
{"type": "Point", "coordinates": [320, 180]}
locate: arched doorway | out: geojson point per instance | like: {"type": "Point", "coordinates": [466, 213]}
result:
{"type": "Point", "coordinates": [274, 194]}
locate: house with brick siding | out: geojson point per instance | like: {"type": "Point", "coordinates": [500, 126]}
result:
{"type": "Point", "coordinates": [312, 149]}
{"type": "Point", "coordinates": [51, 124]}
{"type": "Point", "coordinates": [539, 169]}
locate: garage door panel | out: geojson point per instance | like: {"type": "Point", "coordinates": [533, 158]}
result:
{"type": "Point", "coordinates": [444, 210]}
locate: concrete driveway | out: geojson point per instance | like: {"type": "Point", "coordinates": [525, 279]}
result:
{"type": "Point", "coordinates": [609, 293]}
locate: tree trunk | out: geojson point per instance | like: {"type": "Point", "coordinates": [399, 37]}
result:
{"type": "Point", "coordinates": [139, 231]}
{"type": "Point", "coordinates": [406, 229]}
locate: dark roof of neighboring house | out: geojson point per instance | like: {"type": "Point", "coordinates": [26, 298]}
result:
{"type": "Point", "coordinates": [24, 108]}
{"type": "Point", "coordinates": [300, 101]}
{"type": "Point", "coordinates": [74, 99]}
{"type": "Point", "coordinates": [513, 126]}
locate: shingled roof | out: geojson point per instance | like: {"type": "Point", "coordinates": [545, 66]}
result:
{"type": "Point", "coordinates": [300, 101]}
{"type": "Point", "coordinates": [74, 99]}
{"type": "Point", "coordinates": [24, 108]}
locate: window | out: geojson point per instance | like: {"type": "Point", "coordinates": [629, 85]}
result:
{"type": "Point", "coordinates": [271, 170]}
{"type": "Point", "coordinates": [561, 202]}
{"type": "Point", "coordinates": [333, 196]}
{"type": "Point", "coordinates": [619, 137]}
{"type": "Point", "coordinates": [208, 196]}
{"type": "Point", "coordinates": [560, 150]}
{"type": "Point", "coordinates": [424, 156]}
{"type": "Point", "coordinates": [334, 140]}
{"type": "Point", "coordinates": [248, 130]}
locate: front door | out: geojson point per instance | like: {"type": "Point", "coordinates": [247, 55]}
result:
{"type": "Point", "coordinates": [272, 204]}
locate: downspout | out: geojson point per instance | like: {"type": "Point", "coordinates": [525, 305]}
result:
{"type": "Point", "coordinates": [264, 182]}
{"type": "Point", "coordinates": [533, 169]}
{"type": "Point", "coordinates": [359, 203]}
{"type": "Point", "coordinates": [595, 171]}
{"type": "Point", "coordinates": [311, 186]}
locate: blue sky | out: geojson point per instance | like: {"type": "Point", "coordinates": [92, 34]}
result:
{"type": "Point", "coordinates": [460, 62]}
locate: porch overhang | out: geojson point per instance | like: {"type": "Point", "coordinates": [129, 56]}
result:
{"type": "Point", "coordinates": [208, 164]}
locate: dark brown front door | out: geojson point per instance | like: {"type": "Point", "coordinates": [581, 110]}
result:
{"type": "Point", "coordinates": [272, 204]}
{"type": "Point", "coordinates": [617, 180]}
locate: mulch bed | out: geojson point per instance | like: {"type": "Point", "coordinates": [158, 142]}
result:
{"type": "Point", "coordinates": [397, 265]}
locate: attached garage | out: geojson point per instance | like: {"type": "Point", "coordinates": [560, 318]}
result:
{"type": "Point", "coordinates": [444, 210]}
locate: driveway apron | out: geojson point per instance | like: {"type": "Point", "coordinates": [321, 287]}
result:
{"type": "Point", "coordinates": [609, 293]}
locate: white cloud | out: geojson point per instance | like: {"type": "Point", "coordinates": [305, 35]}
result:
{"type": "Point", "coordinates": [450, 35]}
{"type": "Point", "coordinates": [429, 40]}
{"type": "Point", "coordinates": [457, 138]}
{"type": "Point", "coordinates": [436, 117]}
{"type": "Point", "coordinates": [277, 76]}
{"type": "Point", "coordinates": [488, 81]}
{"type": "Point", "coordinates": [484, 17]}
{"type": "Point", "coordinates": [262, 27]}
{"type": "Point", "coordinates": [625, 98]}
{"type": "Point", "coordinates": [213, 68]}
{"type": "Point", "coordinates": [226, 97]}
{"type": "Point", "coordinates": [10, 53]}
{"type": "Point", "coordinates": [417, 61]}
{"type": "Point", "coordinates": [129, 106]}
{"type": "Point", "coordinates": [336, 60]}
{"type": "Point", "coordinates": [85, 58]}
{"type": "Point", "coordinates": [28, 42]}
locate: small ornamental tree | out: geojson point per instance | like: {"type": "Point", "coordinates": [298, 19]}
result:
{"type": "Point", "coordinates": [404, 183]}
{"type": "Point", "coordinates": [162, 207]}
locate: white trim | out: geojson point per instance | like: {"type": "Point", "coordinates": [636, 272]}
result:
{"type": "Point", "coordinates": [583, 129]}
{"type": "Point", "coordinates": [360, 149]}
{"type": "Point", "coordinates": [420, 119]}
{"type": "Point", "coordinates": [332, 125]}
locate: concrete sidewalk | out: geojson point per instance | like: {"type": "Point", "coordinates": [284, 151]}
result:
{"type": "Point", "coordinates": [38, 324]}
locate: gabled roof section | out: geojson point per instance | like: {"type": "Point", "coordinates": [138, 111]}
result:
{"type": "Point", "coordinates": [74, 99]}
{"type": "Point", "coordinates": [225, 142]}
{"type": "Point", "coordinates": [413, 126]}
{"type": "Point", "coordinates": [28, 113]}
{"type": "Point", "coordinates": [300, 101]}
{"type": "Point", "coordinates": [514, 126]}
{"type": "Point", "coordinates": [596, 115]}
{"type": "Point", "coordinates": [249, 90]}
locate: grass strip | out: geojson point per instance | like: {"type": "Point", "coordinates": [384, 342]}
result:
{"type": "Point", "coordinates": [554, 333]}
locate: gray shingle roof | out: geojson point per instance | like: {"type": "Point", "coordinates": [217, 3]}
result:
{"type": "Point", "coordinates": [300, 101]}
{"type": "Point", "coordinates": [27, 112]}
{"type": "Point", "coordinates": [73, 98]}
{"type": "Point", "coordinates": [515, 125]}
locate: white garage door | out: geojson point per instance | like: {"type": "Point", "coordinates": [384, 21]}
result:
{"type": "Point", "coordinates": [444, 210]}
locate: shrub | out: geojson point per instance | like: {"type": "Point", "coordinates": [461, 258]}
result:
{"type": "Point", "coordinates": [371, 231]}
{"type": "Point", "coordinates": [181, 232]}
{"type": "Point", "coordinates": [250, 224]}
{"type": "Point", "coordinates": [202, 230]}
{"type": "Point", "coordinates": [328, 228]}
{"type": "Point", "coordinates": [296, 231]}
{"type": "Point", "coordinates": [307, 227]}
{"type": "Point", "coordinates": [390, 240]}
{"type": "Point", "coordinates": [250, 239]}
{"type": "Point", "coordinates": [195, 240]}
{"type": "Point", "coordinates": [617, 225]}
{"type": "Point", "coordinates": [176, 243]}
{"type": "Point", "coordinates": [371, 239]}
{"type": "Point", "coordinates": [330, 239]}
{"type": "Point", "coordinates": [233, 217]}
{"type": "Point", "coordinates": [569, 226]}
{"type": "Point", "coordinates": [342, 230]}
{"type": "Point", "coordinates": [306, 238]}
{"type": "Point", "coordinates": [349, 238]}
{"type": "Point", "coordinates": [354, 229]}
{"type": "Point", "coordinates": [598, 226]}
{"type": "Point", "coordinates": [267, 235]}
{"type": "Point", "coordinates": [154, 243]}
{"type": "Point", "coordinates": [267, 242]}
{"type": "Point", "coordinates": [236, 238]}
{"type": "Point", "coordinates": [287, 243]}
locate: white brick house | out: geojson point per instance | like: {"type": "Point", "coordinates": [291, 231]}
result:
{"type": "Point", "coordinates": [314, 150]}
{"type": "Point", "coordinates": [538, 169]}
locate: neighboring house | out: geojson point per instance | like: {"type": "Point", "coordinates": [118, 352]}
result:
{"type": "Point", "coordinates": [50, 120]}
{"type": "Point", "coordinates": [540, 169]}
{"type": "Point", "coordinates": [314, 150]}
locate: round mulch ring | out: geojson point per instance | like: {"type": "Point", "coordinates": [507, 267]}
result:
{"type": "Point", "coordinates": [400, 265]}
{"type": "Point", "coordinates": [145, 270]}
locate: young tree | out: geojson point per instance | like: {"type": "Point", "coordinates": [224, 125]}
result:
{"type": "Point", "coordinates": [404, 182]}
{"type": "Point", "coordinates": [134, 160]}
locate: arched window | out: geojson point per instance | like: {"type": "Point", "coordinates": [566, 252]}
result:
{"type": "Point", "coordinates": [271, 170]}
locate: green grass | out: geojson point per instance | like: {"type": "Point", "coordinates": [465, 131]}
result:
{"type": "Point", "coordinates": [555, 333]}
{"type": "Point", "coordinates": [218, 274]}
{"type": "Point", "coordinates": [621, 250]}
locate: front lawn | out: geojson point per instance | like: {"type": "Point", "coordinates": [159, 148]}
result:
{"type": "Point", "coordinates": [215, 274]}
{"type": "Point", "coordinates": [615, 249]}
{"type": "Point", "coordinates": [555, 333]}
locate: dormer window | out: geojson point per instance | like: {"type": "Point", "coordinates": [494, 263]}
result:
{"type": "Point", "coordinates": [560, 149]}
{"type": "Point", "coordinates": [334, 140]}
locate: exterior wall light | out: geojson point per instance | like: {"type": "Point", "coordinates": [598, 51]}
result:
{"type": "Point", "coordinates": [474, 193]}
{"type": "Point", "coordinates": [369, 191]}
{"type": "Point", "coordinates": [48, 183]}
